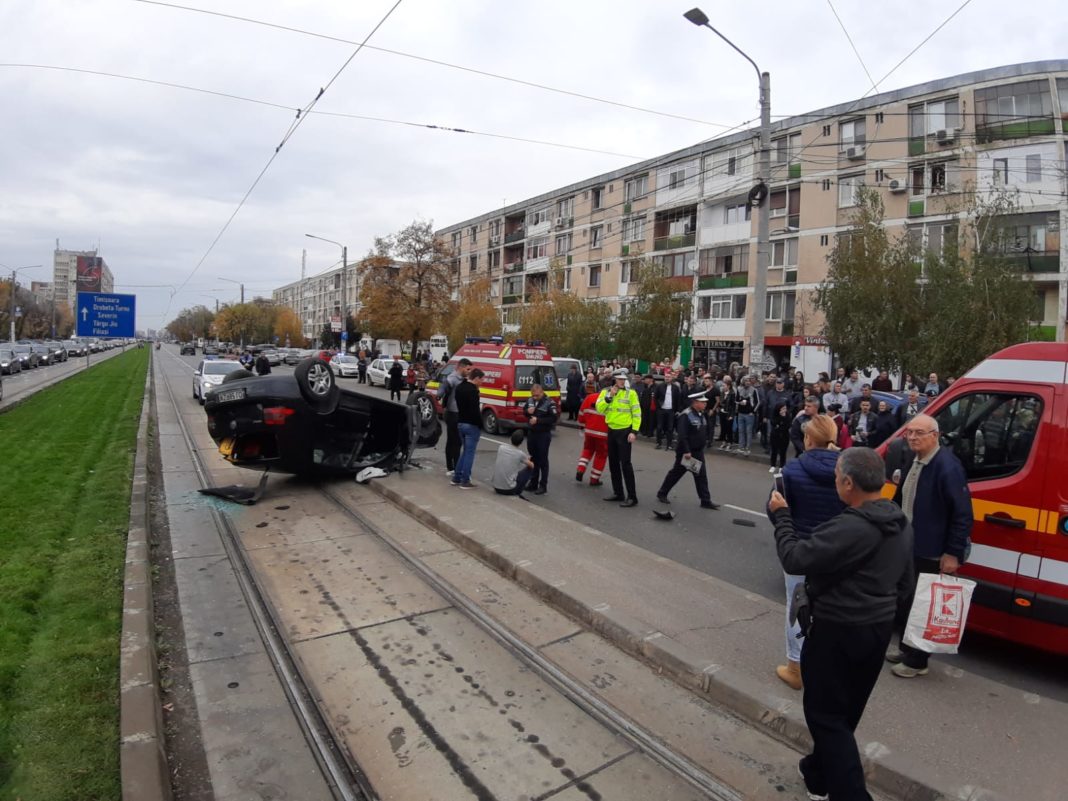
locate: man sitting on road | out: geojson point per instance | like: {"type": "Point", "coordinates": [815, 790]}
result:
{"type": "Point", "coordinates": [513, 468]}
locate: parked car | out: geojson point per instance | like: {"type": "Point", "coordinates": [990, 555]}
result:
{"type": "Point", "coordinates": [303, 422]}
{"type": "Point", "coordinates": [73, 347]}
{"type": "Point", "coordinates": [274, 358]}
{"type": "Point", "coordinates": [211, 350]}
{"type": "Point", "coordinates": [44, 354]}
{"type": "Point", "coordinates": [9, 361]}
{"type": "Point", "coordinates": [188, 348]}
{"type": "Point", "coordinates": [26, 355]}
{"type": "Point", "coordinates": [293, 355]}
{"type": "Point", "coordinates": [59, 353]}
{"type": "Point", "coordinates": [345, 365]}
{"type": "Point", "coordinates": [210, 373]}
{"type": "Point", "coordinates": [378, 371]}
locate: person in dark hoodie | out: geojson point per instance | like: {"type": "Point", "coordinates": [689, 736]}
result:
{"type": "Point", "coordinates": [858, 566]}
{"type": "Point", "coordinates": [885, 425]}
{"type": "Point", "coordinates": [808, 484]}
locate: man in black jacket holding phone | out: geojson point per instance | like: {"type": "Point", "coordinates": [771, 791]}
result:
{"type": "Point", "coordinates": [858, 566]}
{"type": "Point", "coordinates": [541, 417]}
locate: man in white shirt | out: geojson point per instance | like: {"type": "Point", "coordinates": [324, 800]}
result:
{"type": "Point", "coordinates": [513, 467]}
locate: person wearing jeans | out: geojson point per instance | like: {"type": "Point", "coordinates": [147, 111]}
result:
{"type": "Point", "coordinates": [747, 403]}
{"type": "Point", "coordinates": [470, 426]}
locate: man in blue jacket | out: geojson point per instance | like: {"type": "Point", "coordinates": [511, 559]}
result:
{"type": "Point", "coordinates": [934, 496]}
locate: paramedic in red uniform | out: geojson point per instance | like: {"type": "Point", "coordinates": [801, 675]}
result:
{"type": "Point", "coordinates": [594, 438]}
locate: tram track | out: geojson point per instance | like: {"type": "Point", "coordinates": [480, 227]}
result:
{"type": "Point", "coordinates": [342, 768]}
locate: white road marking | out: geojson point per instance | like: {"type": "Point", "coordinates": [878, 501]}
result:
{"type": "Point", "coordinates": [747, 511]}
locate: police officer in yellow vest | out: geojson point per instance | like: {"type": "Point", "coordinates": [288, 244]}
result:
{"type": "Point", "coordinates": [623, 415]}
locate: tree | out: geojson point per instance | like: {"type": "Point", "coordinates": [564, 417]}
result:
{"type": "Point", "coordinates": [287, 326]}
{"type": "Point", "coordinates": [407, 283]}
{"type": "Point", "coordinates": [871, 300]}
{"type": "Point", "coordinates": [569, 325]}
{"type": "Point", "coordinates": [887, 304]}
{"type": "Point", "coordinates": [976, 302]}
{"type": "Point", "coordinates": [245, 322]}
{"type": "Point", "coordinates": [192, 323]}
{"type": "Point", "coordinates": [650, 325]}
{"type": "Point", "coordinates": [473, 314]}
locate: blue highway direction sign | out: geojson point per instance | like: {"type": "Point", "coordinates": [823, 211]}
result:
{"type": "Point", "coordinates": [105, 315]}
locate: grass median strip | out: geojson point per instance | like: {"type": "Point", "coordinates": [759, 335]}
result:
{"type": "Point", "coordinates": [66, 463]}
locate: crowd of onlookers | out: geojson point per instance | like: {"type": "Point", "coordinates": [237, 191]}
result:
{"type": "Point", "coordinates": [767, 412]}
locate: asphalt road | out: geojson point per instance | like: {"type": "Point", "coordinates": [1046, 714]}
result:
{"type": "Point", "coordinates": [21, 385]}
{"type": "Point", "coordinates": [734, 544]}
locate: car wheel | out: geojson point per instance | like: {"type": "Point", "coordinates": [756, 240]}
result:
{"type": "Point", "coordinates": [489, 422]}
{"type": "Point", "coordinates": [317, 384]}
{"type": "Point", "coordinates": [429, 425]}
{"type": "Point", "coordinates": [195, 396]}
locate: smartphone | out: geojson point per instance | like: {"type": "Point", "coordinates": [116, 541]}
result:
{"type": "Point", "coordinates": [780, 486]}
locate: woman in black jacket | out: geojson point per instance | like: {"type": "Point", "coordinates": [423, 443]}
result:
{"type": "Point", "coordinates": [885, 425]}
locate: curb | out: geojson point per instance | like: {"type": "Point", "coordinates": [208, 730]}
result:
{"type": "Point", "coordinates": [142, 758]}
{"type": "Point", "coordinates": [780, 716]}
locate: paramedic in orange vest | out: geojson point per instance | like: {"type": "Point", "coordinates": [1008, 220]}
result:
{"type": "Point", "coordinates": [595, 437]}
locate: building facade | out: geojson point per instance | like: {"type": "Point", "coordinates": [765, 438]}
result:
{"type": "Point", "coordinates": [927, 149]}
{"type": "Point", "coordinates": [75, 271]}
{"type": "Point", "coordinates": [318, 300]}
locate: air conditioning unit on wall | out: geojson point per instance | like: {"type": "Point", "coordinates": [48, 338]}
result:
{"type": "Point", "coordinates": [854, 153]}
{"type": "Point", "coordinates": [946, 136]}
{"type": "Point", "coordinates": [897, 188]}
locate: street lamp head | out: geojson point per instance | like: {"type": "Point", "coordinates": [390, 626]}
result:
{"type": "Point", "coordinates": [696, 16]}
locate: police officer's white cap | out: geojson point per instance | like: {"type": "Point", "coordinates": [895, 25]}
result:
{"type": "Point", "coordinates": [621, 373]}
{"type": "Point", "coordinates": [698, 396]}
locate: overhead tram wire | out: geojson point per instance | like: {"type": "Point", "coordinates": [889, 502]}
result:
{"type": "Point", "coordinates": [289, 133]}
{"type": "Point", "coordinates": [437, 62]}
{"type": "Point", "coordinates": [302, 112]}
{"type": "Point", "coordinates": [851, 44]}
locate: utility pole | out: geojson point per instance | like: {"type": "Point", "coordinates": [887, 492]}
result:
{"type": "Point", "coordinates": [759, 196]}
{"type": "Point", "coordinates": [12, 318]}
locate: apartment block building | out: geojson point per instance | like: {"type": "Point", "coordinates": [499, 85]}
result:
{"type": "Point", "coordinates": [925, 148]}
{"type": "Point", "coordinates": [317, 300]}
{"type": "Point", "coordinates": [75, 271]}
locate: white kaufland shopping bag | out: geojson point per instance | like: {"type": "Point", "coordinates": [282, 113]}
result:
{"type": "Point", "coordinates": [936, 620]}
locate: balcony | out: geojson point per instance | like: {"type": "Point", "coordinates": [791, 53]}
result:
{"type": "Point", "coordinates": [723, 281]}
{"type": "Point", "coordinates": [516, 236]}
{"type": "Point", "coordinates": [509, 300]}
{"type": "Point", "coordinates": [675, 241]}
{"type": "Point", "coordinates": [1035, 261]}
{"type": "Point", "coordinates": [1014, 129]}
{"type": "Point", "coordinates": [514, 267]}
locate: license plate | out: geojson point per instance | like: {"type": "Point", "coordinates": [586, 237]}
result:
{"type": "Point", "coordinates": [226, 395]}
{"type": "Point", "coordinates": [226, 447]}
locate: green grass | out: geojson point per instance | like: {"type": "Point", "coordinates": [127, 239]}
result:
{"type": "Point", "coordinates": [66, 463]}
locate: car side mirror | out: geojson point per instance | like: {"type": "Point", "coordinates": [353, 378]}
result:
{"type": "Point", "coordinates": [196, 372]}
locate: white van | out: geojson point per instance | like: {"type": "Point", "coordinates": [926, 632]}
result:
{"type": "Point", "coordinates": [388, 348]}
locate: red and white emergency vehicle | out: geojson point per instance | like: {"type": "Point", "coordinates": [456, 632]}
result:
{"type": "Point", "coordinates": [1007, 422]}
{"type": "Point", "coordinates": [511, 369]}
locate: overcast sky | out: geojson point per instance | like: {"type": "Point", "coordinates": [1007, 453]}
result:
{"type": "Point", "coordinates": [152, 173]}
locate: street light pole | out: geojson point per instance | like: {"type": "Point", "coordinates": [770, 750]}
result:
{"type": "Point", "coordinates": [14, 273]}
{"type": "Point", "coordinates": [760, 195]}
{"type": "Point", "coordinates": [344, 280]}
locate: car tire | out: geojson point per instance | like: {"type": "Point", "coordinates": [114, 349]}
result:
{"type": "Point", "coordinates": [490, 424]}
{"type": "Point", "coordinates": [317, 385]}
{"type": "Point", "coordinates": [429, 425]}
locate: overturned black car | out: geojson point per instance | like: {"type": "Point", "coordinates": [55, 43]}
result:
{"type": "Point", "coordinates": [304, 423]}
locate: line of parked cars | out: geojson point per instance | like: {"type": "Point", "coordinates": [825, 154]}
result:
{"type": "Point", "coordinates": [27, 354]}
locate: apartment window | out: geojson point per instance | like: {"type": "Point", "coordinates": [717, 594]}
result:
{"type": "Point", "coordinates": [513, 286]}
{"type": "Point", "coordinates": [472, 263]}
{"type": "Point", "coordinates": [787, 149]}
{"type": "Point", "coordinates": [927, 119]}
{"type": "Point", "coordinates": [563, 244]}
{"type": "Point", "coordinates": [784, 253]}
{"type": "Point", "coordinates": [878, 118]}
{"type": "Point", "coordinates": [538, 216]}
{"type": "Point", "coordinates": [674, 265]}
{"type": "Point", "coordinates": [566, 207]}
{"type": "Point", "coordinates": [935, 178]}
{"type": "Point", "coordinates": [538, 248]}
{"type": "Point", "coordinates": [494, 259]}
{"type": "Point", "coordinates": [1012, 101]}
{"type": "Point", "coordinates": [337, 281]}
{"type": "Point", "coordinates": [628, 271]}
{"type": "Point", "coordinates": [736, 214]}
{"type": "Point", "coordinates": [824, 240]}
{"type": "Point", "coordinates": [597, 198]}
{"type": "Point", "coordinates": [562, 278]}
{"type": "Point", "coordinates": [473, 233]}
{"type": "Point", "coordinates": [1034, 168]}
{"type": "Point", "coordinates": [826, 184]}
{"type": "Point", "coordinates": [849, 190]}
{"type": "Point", "coordinates": [495, 289]}
{"type": "Point", "coordinates": [826, 130]}
{"type": "Point", "coordinates": [495, 228]}
{"type": "Point", "coordinates": [851, 134]}
{"type": "Point", "coordinates": [456, 237]}
{"type": "Point", "coordinates": [637, 188]}
{"type": "Point", "coordinates": [880, 176]}
{"type": "Point", "coordinates": [724, 260]}
{"type": "Point", "coordinates": [1001, 172]}
{"type": "Point", "coordinates": [721, 307]}
{"type": "Point", "coordinates": [634, 229]}
{"type": "Point", "coordinates": [594, 276]}
{"type": "Point", "coordinates": [786, 203]}
{"type": "Point", "coordinates": [942, 238]}
{"type": "Point", "coordinates": [676, 178]}
{"type": "Point", "coordinates": [596, 235]}
{"type": "Point", "coordinates": [780, 306]}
